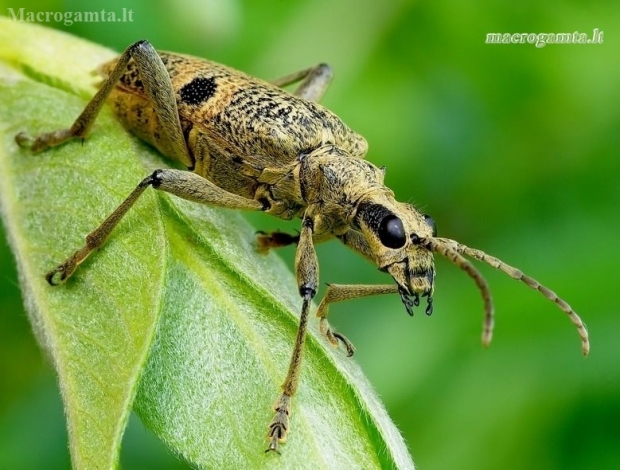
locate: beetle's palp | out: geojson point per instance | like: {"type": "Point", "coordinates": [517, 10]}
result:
{"type": "Point", "coordinates": [446, 248]}
{"type": "Point", "coordinates": [451, 245]}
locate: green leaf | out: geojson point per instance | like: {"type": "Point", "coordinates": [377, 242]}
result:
{"type": "Point", "coordinates": [177, 315]}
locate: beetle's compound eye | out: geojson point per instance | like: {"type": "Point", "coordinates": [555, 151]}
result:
{"type": "Point", "coordinates": [431, 223]}
{"type": "Point", "coordinates": [392, 232]}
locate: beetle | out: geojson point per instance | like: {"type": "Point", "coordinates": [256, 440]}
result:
{"type": "Point", "coordinates": [250, 145]}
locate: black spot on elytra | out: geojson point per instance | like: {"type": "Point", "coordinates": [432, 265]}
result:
{"type": "Point", "coordinates": [198, 90]}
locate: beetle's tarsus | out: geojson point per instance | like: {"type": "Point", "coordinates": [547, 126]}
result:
{"type": "Point", "coordinates": [335, 338]}
{"type": "Point", "coordinates": [24, 140]}
{"type": "Point", "coordinates": [346, 342]}
{"type": "Point", "coordinates": [62, 272]}
{"type": "Point", "coordinates": [59, 275]}
{"type": "Point", "coordinates": [34, 144]}
{"type": "Point", "coordinates": [279, 424]}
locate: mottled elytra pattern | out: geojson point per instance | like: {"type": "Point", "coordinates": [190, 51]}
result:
{"type": "Point", "coordinates": [250, 145]}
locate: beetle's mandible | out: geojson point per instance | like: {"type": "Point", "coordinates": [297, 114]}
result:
{"type": "Point", "coordinates": [250, 145]}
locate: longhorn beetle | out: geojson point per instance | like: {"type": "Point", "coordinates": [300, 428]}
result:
{"type": "Point", "coordinates": [248, 144]}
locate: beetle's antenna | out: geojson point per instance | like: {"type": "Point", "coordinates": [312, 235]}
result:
{"type": "Point", "coordinates": [440, 246]}
{"type": "Point", "coordinates": [531, 282]}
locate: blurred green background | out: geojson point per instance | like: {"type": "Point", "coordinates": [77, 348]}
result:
{"type": "Point", "coordinates": [511, 148]}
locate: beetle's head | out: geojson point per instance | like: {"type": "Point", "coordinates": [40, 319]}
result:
{"type": "Point", "coordinates": [394, 232]}
{"type": "Point", "coordinates": [402, 240]}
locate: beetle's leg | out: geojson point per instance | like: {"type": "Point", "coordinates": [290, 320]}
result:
{"type": "Point", "coordinates": [277, 239]}
{"type": "Point", "coordinates": [178, 182]}
{"type": "Point", "coordinates": [338, 293]}
{"type": "Point", "coordinates": [158, 88]}
{"type": "Point", "coordinates": [313, 82]}
{"type": "Point", "coordinates": [307, 270]}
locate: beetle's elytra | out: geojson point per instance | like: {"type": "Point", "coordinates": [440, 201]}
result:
{"type": "Point", "coordinates": [249, 144]}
